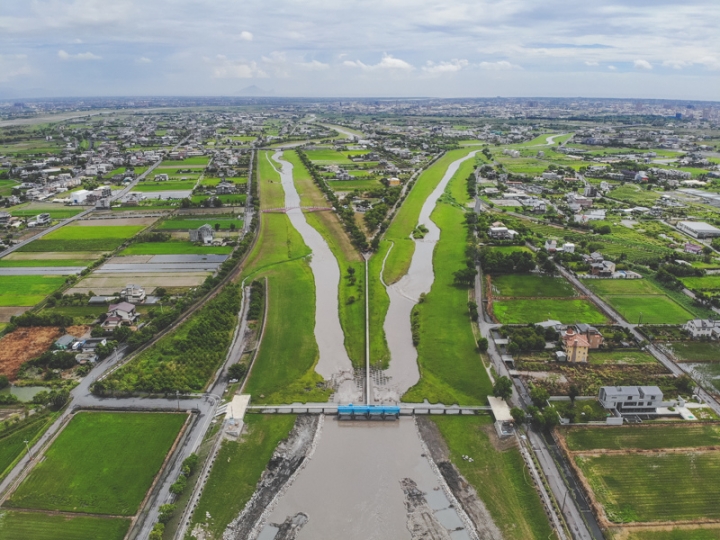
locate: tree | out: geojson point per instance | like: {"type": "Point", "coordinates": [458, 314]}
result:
{"type": "Point", "coordinates": [482, 345]}
{"type": "Point", "coordinates": [573, 392]}
{"type": "Point", "coordinates": [232, 226]}
{"type": "Point", "coordinates": [503, 388]}
{"type": "Point", "coordinates": [518, 415]}
{"type": "Point", "coordinates": [685, 384]}
{"type": "Point", "coordinates": [166, 513]}
{"type": "Point", "coordinates": [3, 381]}
{"type": "Point", "coordinates": [157, 531]}
{"type": "Point", "coordinates": [552, 417]}
{"type": "Point", "coordinates": [237, 371]}
{"type": "Point", "coordinates": [217, 227]}
{"type": "Point", "coordinates": [539, 396]}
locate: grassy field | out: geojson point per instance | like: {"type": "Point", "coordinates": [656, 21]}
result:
{"type": "Point", "coordinates": [27, 290]}
{"type": "Point", "coordinates": [195, 160]}
{"type": "Point", "coordinates": [500, 478]}
{"type": "Point", "coordinates": [101, 463]}
{"type": "Point", "coordinates": [635, 298]}
{"type": "Point", "coordinates": [38, 526]}
{"type": "Point", "coordinates": [511, 249]}
{"type": "Point", "coordinates": [174, 248]}
{"type": "Point", "coordinates": [351, 297]}
{"type": "Point", "coordinates": [194, 223]}
{"type": "Point", "coordinates": [80, 238]}
{"type": "Point", "coordinates": [705, 283]}
{"type": "Point", "coordinates": [620, 357]}
{"type": "Point", "coordinates": [328, 156]}
{"type": "Point", "coordinates": [538, 310]}
{"type": "Point", "coordinates": [650, 309]}
{"type": "Point", "coordinates": [529, 285]}
{"type": "Point", "coordinates": [145, 187]}
{"type": "Point", "coordinates": [237, 470]}
{"type": "Point", "coordinates": [56, 211]}
{"type": "Point", "coordinates": [352, 185]}
{"type": "Point", "coordinates": [655, 487]}
{"type": "Point", "coordinates": [278, 375]}
{"type": "Point", "coordinates": [5, 263]}
{"type": "Point", "coordinates": [451, 369]}
{"type": "Point", "coordinates": [643, 438]}
{"type": "Point", "coordinates": [701, 533]}
{"type": "Point", "coordinates": [696, 351]}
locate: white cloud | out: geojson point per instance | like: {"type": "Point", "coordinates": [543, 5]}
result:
{"type": "Point", "coordinates": [12, 66]}
{"type": "Point", "coordinates": [388, 62]}
{"type": "Point", "coordinates": [445, 67]}
{"type": "Point", "coordinates": [612, 68]}
{"type": "Point", "coordinates": [314, 65]}
{"type": "Point", "coordinates": [501, 65]}
{"type": "Point", "coordinates": [246, 36]}
{"type": "Point", "coordinates": [642, 64]}
{"type": "Point", "coordinates": [144, 60]}
{"type": "Point", "coordinates": [63, 55]}
{"type": "Point", "coordinates": [591, 63]}
{"type": "Point", "coordinates": [224, 68]}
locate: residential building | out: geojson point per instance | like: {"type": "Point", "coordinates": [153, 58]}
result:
{"type": "Point", "coordinates": [693, 248]}
{"type": "Point", "coordinates": [202, 234]}
{"type": "Point", "coordinates": [576, 346]}
{"type": "Point", "coordinates": [43, 219]}
{"type": "Point", "coordinates": [122, 313]}
{"type": "Point", "coordinates": [65, 342]}
{"type": "Point", "coordinates": [631, 399]}
{"type": "Point", "coordinates": [594, 337]}
{"type": "Point", "coordinates": [79, 196]}
{"type": "Point", "coordinates": [4, 218]}
{"type": "Point", "coordinates": [603, 269]}
{"type": "Point", "coordinates": [394, 181]}
{"type": "Point", "coordinates": [501, 233]}
{"type": "Point", "coordinates": [698, 328]}
{"type": "Point", "coordinates": [568, 248]}
{"type": "Point", "coordinates": [551, 246]}
{"type": "Point", "coordinates": [134, 294]}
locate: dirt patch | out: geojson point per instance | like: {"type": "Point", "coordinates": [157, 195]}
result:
{"type": "Point", "coordinates": [501, 445]}
{"type": "Point", "coordinates": [421, 521]}
{"type": "Point", "coordinates": [287, 459]}
{"type": "Point", "coordinates": [290, 528]}
{"type": "Point", "coordinates": [116, 222]}
{"type": "Point", "coordinates": [23, 344]}
{"type": "Point", "coordinates": [7, 312]}
{"type": "Point", "coordinates": [460, 488]}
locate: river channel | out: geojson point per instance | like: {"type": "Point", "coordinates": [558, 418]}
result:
{"type": "Point", "coordinates": [404, 294]}
{"type": "Point", "coordinates": [328, 332]}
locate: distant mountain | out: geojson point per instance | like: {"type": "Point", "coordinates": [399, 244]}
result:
{"type": "Point", "coordinates": [254, 90]}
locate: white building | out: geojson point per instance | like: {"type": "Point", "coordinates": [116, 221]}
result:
{"type": "Point", "coordinates": [702, 327]}
{"type": "Point", "coordinates": [79, 196]}
{"type": "Point", "coordinates": [698, 229]}
{"type": "Point", "coordinates": [631, 399]}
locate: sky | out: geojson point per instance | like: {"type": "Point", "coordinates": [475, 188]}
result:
{"type": "Point", "coordinates": [373, 48]}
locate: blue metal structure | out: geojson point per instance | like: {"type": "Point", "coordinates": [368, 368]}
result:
{"type": "Point", "coordinates": [368, 411]}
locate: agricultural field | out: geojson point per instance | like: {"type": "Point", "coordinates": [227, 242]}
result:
{"type": "Point", "coordinates": [620, 357]}
{"type": "Point", "coordinates": [522, 311]}
{"type": "Point", "coordinates": [40, 526]}
{"type": "Point", "coordinates": [27, 290]}
{"type": "Point", "coordinates": [703, 284]}
{"type": "Point", "coordinates": [634, 194]}
{"type": "Point", "coordinates": [184, 224]}
{"type": "Point", "coordinates": [237, 199]}
{"type": "Point", "coordinates": [696, 351]}
{"type": "Point", "coordinates": [498, 475]}
{"type": "Point", "coordinates": [174, 248]}
{"type": "Point", "coordinates": [76, 237]}
{"type": "Point", "coordinates": [352, 185]}
{"type": "Point", "coordinates": [101, 463]}
{"type": "Point", "coordinates": [169, 185]}
{"type": "Point", "coordinates": [639, 300]}
{"type": "Point", "coordinates": [647, 437]}
{"type": "Point", "coordinates": [192, 161]}
{"type": "Point", "coordinates": [531, 285]}
{"type": "Point", "coordinates": [25, 343]}
{"type": "Point", "coordinates": [56, 211]}
{"type": "Point", "coordinates": [12, 444]}
{"type": "Point", "coordinates": [328, 156]}
{"type": "Point", "coordinates": [237, 470]}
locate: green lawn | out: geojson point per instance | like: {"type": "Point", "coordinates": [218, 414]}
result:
{"type": "Point", "coordinates": [604, 287]}
{"type": "Point", "coordinates": [194, 223]}
{"type": "Point", "coordinates": [650, 437]}
{"type": "Point", "coordinates": [101, 463]}
{"type": "Point", "coordinates": [705, 283]}
{"type": "Point", "coordinates": [451, 369]}
{"type": "Point", "coordinates": [39, 526]}
{"type": "Point", "coordinates": [27, 290]}
{"type": "Point", "coordinates": [538, 310]}
{"type": "Point", "coordinates": [655, 487]}
{"type": "Point", "coordinates": [174, 248]}
{"type": "Point", "coordinates": [500, 478]}
{"type": "Point", "coordinates": [650, 309]}
{"type": "Point", "coordinates": [510, 249]}
{"type": "Point", "coordinates": [529, 285]}
{"type": "Point", "coordinates": [328, 156]}
{"type": "Point", "coordinates": [620, 357]}
{"type": "Point", "coordinates": [696, 351]}
{"type": "Point", "coordinates": [237, 471]}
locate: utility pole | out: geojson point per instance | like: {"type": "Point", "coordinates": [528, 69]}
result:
{"type": "Point", "coordinates": [177, 395]}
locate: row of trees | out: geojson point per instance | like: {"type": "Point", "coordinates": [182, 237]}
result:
{"type": "Point", "coordinates": [495, 262]}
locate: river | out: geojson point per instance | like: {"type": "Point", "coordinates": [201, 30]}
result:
{"type": "Point", "coordinates": [404, 294]}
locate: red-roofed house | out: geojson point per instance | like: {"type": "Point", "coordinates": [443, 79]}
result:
{"type": "Point", "coordinates": [576, 346]}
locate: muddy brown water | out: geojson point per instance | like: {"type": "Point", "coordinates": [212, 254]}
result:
{"type": "Point", "coordinates": [403, 370]}
{"type": "Point", "coordinates": [352, 487]}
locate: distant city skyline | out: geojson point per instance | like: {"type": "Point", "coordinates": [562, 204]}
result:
{"type": "Point", "coordinates": [315, 48]}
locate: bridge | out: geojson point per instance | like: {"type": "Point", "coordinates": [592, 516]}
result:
{"type": "Point", "coordinates": [367, 411]}
{"type": "Point", "coordinates": [285, 210]}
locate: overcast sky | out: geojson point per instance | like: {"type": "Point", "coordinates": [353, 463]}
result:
{"type": "Point", "coordinates": [451, 48]}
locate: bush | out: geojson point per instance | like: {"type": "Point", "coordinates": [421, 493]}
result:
{"type": "Point", "coordinates": [237, 371]}
{"type": "Point", "coordinates": [166, 513]}
{"type": "Point", "coordinates": [4, 382]}
{"type": "Point", "coordinates": [179, 486]}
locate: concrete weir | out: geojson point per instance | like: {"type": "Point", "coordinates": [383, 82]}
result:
{"type": "Point", "coordinates": [328, 332]}
{"type": "Point", "coordinates": [404, 294]}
